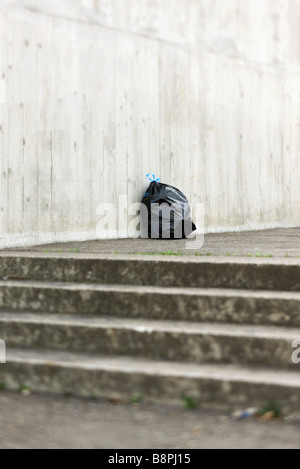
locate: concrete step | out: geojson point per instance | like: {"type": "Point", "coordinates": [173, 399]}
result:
{"type": "Point", "coordinates": [159, 340]}
{"type": "Point", "coordinates": [186, 304]}
{"type": "Point", "coordinates": [218, 330]}
{"type": "Point", "coordinates": [226, 386]}
{"type": "Point", "coordinates": [163, 271]}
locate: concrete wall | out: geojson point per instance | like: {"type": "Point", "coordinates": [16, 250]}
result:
{"type": "Point", "coordinates": [96, 93]}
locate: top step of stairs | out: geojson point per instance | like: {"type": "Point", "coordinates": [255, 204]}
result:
{"type": "Point", "coordinates": [163, 271]}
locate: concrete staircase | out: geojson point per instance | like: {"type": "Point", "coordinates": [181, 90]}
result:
{"type": "Point", "coordinates": [219, 330]}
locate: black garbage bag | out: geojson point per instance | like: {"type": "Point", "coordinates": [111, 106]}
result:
{"type": "Point", "coordinates": [166, 212]}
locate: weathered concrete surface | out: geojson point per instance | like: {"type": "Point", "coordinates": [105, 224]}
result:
{"type": "Point", "coordinates": [276, 242]}
{"type": "Point", "coordinates": [151, 271]}
{"type": "Point", "coordinates": [55, 422]}
{"type": "Point", "coordinates": [214, 385]}
{"type": "Point", "coordinates": [159, 340]}
{"type": "Point", "coordinates": [91, 323]}
{"type": "Point", "coordinates": [95, 94]}
{"type": "Point", "coordinates": [185, 304]}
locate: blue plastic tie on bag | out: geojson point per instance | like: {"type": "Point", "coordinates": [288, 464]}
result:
{"type": "Point", "coordinates": [152, 178]}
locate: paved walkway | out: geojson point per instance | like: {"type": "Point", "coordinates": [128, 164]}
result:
{"type": "Point", "coordinates": [39, 421]}
{"type": "Point", "coordinates": [276, 243]}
